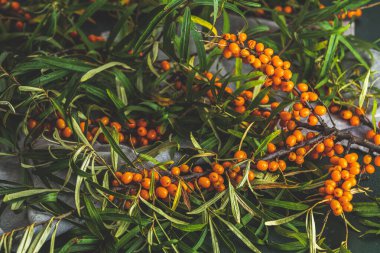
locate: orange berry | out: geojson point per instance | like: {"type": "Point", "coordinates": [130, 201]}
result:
{"type": "Point", "coordinates": [184, 168]}
{"type": "Point", "coordinates": [288, 9]}
{"type": "Point", "coordinates": [222, 44]}
{"type": "Point", "coordinates": [271, 148]}
{"type": "Point", "coordinates": [240, 155]}
{"type": "Point", "coordinates": [197, 169]}
{"type": "Point", "coordinates": [320, 110]}
{"type": "Point", "coordinates": [116, 125]}
{"type": "Point", "coordinates": [240, 109]}
{"type": "Point", "coordinates": [262, 165]}
{"type": "Point", "coordinates": [304, 112]}
{"type": "Point", "coordinates": [242, 37]}
{"type": "Point", "coordinates": [165, 65]}
{"type": "Point", "coordinates": [144, 194]}
{"type": "Point", "coordinates": [137, 178]}
{"type": "Point", "coordinates": [348, 207]}
{"type": "Point", "coordinates": [312, 120]}
{"type": "Point", "coordinates": [291, 140]}
{"type": "Point", "coordinates": [60, 123]}
{"type": "Point", "coordinates": [235, 49]}
{"type": "Point", "coordinates": [214, 177]}
{"type": "Point", "coordinates": [367, 159]}
{"type": "Point", "coordinates": [251, 44]}
{"type": "Point", "coordinates": [370, 169]}
{"type": "Point", "coordinates": [111, 198]}
{"type": "Point", "coordinates": [172, 189]}
{"type": "Point", "coordinates": [355, 121]}
{"type": "Point", "coordinates": [141, 131]}
{"type": "Point", "coordinates": [376, 139]}
{"type": "Point", "coordinates": [282, 165]}
{"type": "Point", "coordinates": [346, 114]}
{"type": "Point", "coordinates": [259, 47]}
{"type": "Point", "coordinates": [239, 101]}
{"type": "Point", "coordinates": [219, 169]}
{"type": "Point", "coordinates": [336, 176]}
{"type": "Point", "coordinates": [347, 185]}
{"type": "Point", "coordinates": [127, 177]}
{"type": "Point", "coordinates": [15, 6]}
{"type": "Point", "coordinates": [227, 53]}
{"type": "Point", "coordinates": [165, 181]}
{"type": "Point", "coordinates": [161, 192]}
{"type": "Point", "coordinates": [204, 182]}
{"type": "Point", "coordinates": [145, 183]}
{"type": "Point", "coordinates": [175, 171]}
{"type": "Point", "coordinates": [32, 123]}
{"type": "Point", "coordinates": [302, 87]}
{"type": "Point", "coordinates": [339, 149]}
{"type": "Point", "coordinates": [67, 132]}
{"type": "Point", "coordinates": [273, 166]}
{"type": "Point", "coordinates": [288, 74]}
{"type": "Point", "coordinates": [338, 193]}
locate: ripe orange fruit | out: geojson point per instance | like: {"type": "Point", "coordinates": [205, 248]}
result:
{"type": "Point", "coordinates": [176, 171]}
{"type": "Point", "coordinates": [111, 198]}
{"type": "Point", "coordinates": [116, 125]}
{"type": "Point", "coordinates": [204, 182]}
{"type": "Point", "coordinates": [251, 175]}
{"type": "Point", "coordinates": [271, 148]}
{"type": "Point", "coordinates": [105, 120]}
{"type": "Point", "coordinates": [197, 169]}
{"type": "Point", "coordinates": [234, 48]}
{"type": "Point", "coordinates": [165, 181]}
{"type": "Point", "coordinates": [131, 123]}
{"type": "Point", "coordinates": [240, 155]}
{"type": "Point", "coordinates": [222, 44]}
{"type": "Point", "coordinates": [141, 131]}
{"type": "Point", "coordinates": [262, 165]}
{"type": "Point", "coordinates": [144, 194]}
{"type": "Point", "coordinates": [291, 140]}
{"type": "Point", "coordinates": [67, 132]}
{"type": "Point", "coordinates": [214, 177]}
{"type": "Point", "coordinates": [151, 135]}
{"type": "Point", "coordinates": [15, 6]}
{"type": "Point", "coordinates": [184, 168]}
{"type": "Point", "coordinates": [370, 169]}
{"type": "Point", "coordinates": [320, 110]}
{"type": "Point", "coordinates": [32, 123]}
{"type": "Point", "coordinates": [165, 65]}
{"type": "Point", "coordinates": [161, 192]}
{"type": "Point", "coordinates": [346, 114]}
{"type": "Point", "coordinates": [172, 189]}
{"type": "Point", "coordinates": [355, 121]}
{"type": "Point", "coordinates": [127, 177]}
{"type": "Point", "coordinates": [137, 178]}
{"type": "Point", "coordinates": [145, 183]}
{"type": "Point", "coordinates": [259, 47]}
{"type": "Point", "coordinates": [376, 139]}
{"type": "Point", "coordinates": [60, 123]}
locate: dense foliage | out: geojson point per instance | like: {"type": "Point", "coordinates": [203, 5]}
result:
{"type": "Point", "coordinates": [216, 130]}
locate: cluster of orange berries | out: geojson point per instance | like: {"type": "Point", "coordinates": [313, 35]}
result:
{"type": "Point", "coordinates": [260, 58]}
{"type": "Point", "coordinates": [287, 9]}
{"type": "Point", "coordinates": [138, 132]}
{"type": "Point", "coordinates": [343, 172]}
{"type": "Point", "coordinates": [16, 8]}
{"type": "Point", "coordinates": [91, 37]}
{"type": "Point", "coordinates": [353, 117]}
{"type": "Point", "coordinates": [373, 136]}
{"type": "Point", "coordinates": [351, 14]}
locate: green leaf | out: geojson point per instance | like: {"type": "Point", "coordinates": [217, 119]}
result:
{"type": "Point", "coordinates": [99, 69]}
{"type": "Point", "coordinates": [214, 239]}
{"type": "Point", "coordinates": [284, 220]}
{"type": "Point", "coordinates": [27, 193]}
{"type": "Point", "coordinates": [284, 204]}
{"type": "Point", "coordinates": [208, 203]}
{"type": "Point", "coordinates": [185, 35]}
{"type": "Point", "coordinates": [234, 203]}
{"type": "Point", "coordinates": [353, 51]}
{"type": "Point", "coordinates": [373, 113]}
{"type": "Point", "coordinates": [115, 146]}
{"type": "Point", "coordinates": [239, 234]}
{"type": "Point", "coordinates": [264, 143]}
{"type": "Point", "coordinates": [159, 211]}
{"type": "Point", "coordinates": [201, 52]}
{"type": "Point", "coordinates": [332, 46]}
{"type": "Point", "coordinates": [95, 223]}
{"type": "Point", "coordinates": [159, 17]}
{"type": "Point", "coordinates": [364, 89]}
{"type": "Point", "coordinates": [190, 227]}
{"type": "Point", "coordinates": [41, 237]}
{"type": "Point", "coordinates": [90, 10]}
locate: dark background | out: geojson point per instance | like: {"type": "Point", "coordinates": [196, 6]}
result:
{"type": "Point", "coordinates": [368, 26]}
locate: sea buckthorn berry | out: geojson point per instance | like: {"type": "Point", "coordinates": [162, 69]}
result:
{"type": "Point", "coordinates": [137, 178]}
{"type": "Point", "coordinates": [301, 151]}
{"type": "Point", "coordinates": [256, 63]}
{"type": "Point", "coordinates": [204, 182]}
{"type": "Point", "coordinates": [338, 193]}
{"type": "Point", "coordinates": [348, 207]}
{"type": "Point", "coordinates": [105, 120]}
{"type": "Point", "coordinates": [15, 6]}
{"type": "Point", "coordinates": [175, 171]}
{"type": "Point", "coordinates": [273, 166]}
{"type": "Point", "coordinates": [304, 97]}
{"type": "Point", "coordinates": [197, 169]}
{"type": "Point", "coordinates": [377, 161]}
{"type": "Point", "coordinates": [264, 59]}
{"type": "Point", "coordinates": [251, 59]}
{"type": "Point", "coordinates": [287, 65]}
{"type": "Point", "coordinates": [172, 189]}
{"type": "Point", "coordinates": [244, 53]}
{"type": "Point", "coordinates": [242, 37]}
{"type": "Point", "coordinates": [161, 192]}
{"type": "Point", "coordinates": [227, 53]}
{"type": "Point", "coordinates": [144, 194]}
{"type": "Point", "coordinates": [118, 174]}
{"type": "Point", "coordinates": [269, 70]}
{"type": "Point", "coordinates": [218, 168]}
{"type": "Point", "coordinates": [292, 156]}
{"type": "Point", "coordinates": [131, 123]}
{"type": "Point", "coordinates": [320, 110]}
{"type": "Point", "coordinates": [274, 105]}
{"type": "Point", "coordinates": [291, 140]}
{"type": "Point", "coordinates": [226, 36]}
{"type": "Point", "coordinates": [347, 185]}
{"type": "Point", "coordinates": [268, 52]}
{"type": "Point", "coordinates": [240, 155]}
{"type": "Point", "coordinates": [312, 120]}
{"type": "Point", "coordinates": [287, 86]}
{"type": "Point", "coordinates": [145, 183]}
{"type": "Point", "coordinates": [355, 121]}
{"type": "Point", "coordinates": [165, 65]}
{"type": "Point", "coordinates": [358, 13]}
{"type": "Point", "coordinates": [214, 177]}
{"type": "Point", "coordinates": [233, 37]}
{"type": "Point", "coordinates": [121, 138]}
{"type": "Point", "coordinates": [370, 134]}
{"type": "Point", "coordinates": [282, 165]}
{"type": "Point", "coordinates": [262, 165]}
{"type": "Point", "coordinates": [279, 72]}
{"type": "Point", "coordinates": [222, 44]}
{"type": "Point", "coordinates": [302, 87]}
{"type": "Point", "coordinates": [304, 112]}
{"type": "Point", "coordinates": [351, 157]}
{"type": "Point", "coordinates": [67, 132]}
{"type": "Point", "coordinates": [239, 101]}
{"type": "Point", "coordinates": [288, 9]}
{"type": "Point", "coordinates": [376, 139]}
{"type": "Point", "coordinates": [141, 131]}
{"type": "Point", "coordinates": [115, 183]}
{"type": "Point", "coordinates": [271, 148]}
{"type": "Point", "coordinates": [278, 63]}
{"type": "Point", "coordinates": [291, 125]}
{"type": "Point", "coordinates": [328, 143]}
{"type": "Point", "coordinates": [251, 44]}
{"type": "Point", "coordinates": [111, 198]}
{"type": "Point", "coordinates": [240, 109]}
{"type": "Point", "coordinates": [288, 74]}
{"type": "Point", "coordinates": [329, 189]}
{"type": "Point", "coordinates": [165, 181]}
{"type": "Point", "coordinates": [299, 136]}
{"type": "Point", "coordinates": [346, 114]}
{"type": "Point", "coordinates": [339, 149]}
{"type": "Point", "coordinates": [235, 49]}
{"type": "Point", "coordinates": [367, 159]}
{"type": "Point", "coordinates": [320, 147]}
{"type": "Point", "coordinates": [343, 163]}
{"type": "Point", "coordinates": [336, 176]}
{"type": "Point", "coordinates": [259, 47]}
{"type": "Point", "coordinates": [116, 125]}
{"type": "Point", "coordinates": [127, 177]}
{"type": "Point", "coordinates": [285, 116]}
{"type": "Point", "coordinates": [60, 123]}
{"type": "Point", "coordinates": [184, 168]}
{"type": "Point", "coordinates": [32, 123]}
{"type": "Point", "coordinates": [313, 96]}
{"type": "Point", "coordinates": [348, 194]}
{"type": "Point", "coordinates": [370, 169]}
